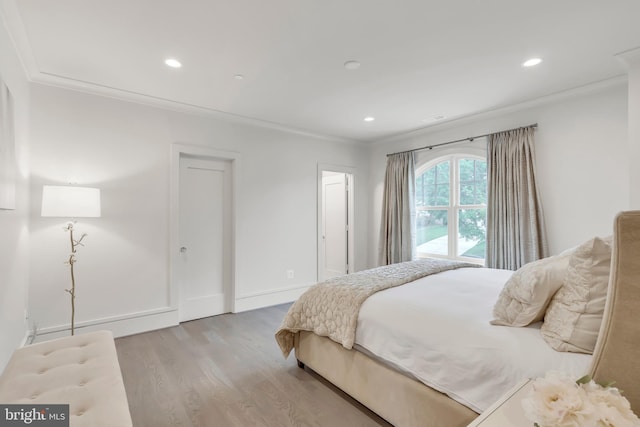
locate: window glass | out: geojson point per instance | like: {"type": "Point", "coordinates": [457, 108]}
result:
{"type": "Point", "coordinates": [432, 187]}
{"type": "Point", "coordinates": [473, 181]}
{"type": "Point", "coordinates": [472, 231]}
{"type": "Point", "coordinates": [432, 235]}
{"type": "Point", "coordinates": [440, 215]}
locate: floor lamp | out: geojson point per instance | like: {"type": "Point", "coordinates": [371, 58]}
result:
{"type": "Point", "coordinates": [71, 202]}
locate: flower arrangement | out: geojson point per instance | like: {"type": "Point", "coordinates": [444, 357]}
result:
{"type": "Point", "coordinates": [558, 401]}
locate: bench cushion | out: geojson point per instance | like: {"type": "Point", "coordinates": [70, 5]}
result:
{"type": "Point", "coordinates": [81, 370]}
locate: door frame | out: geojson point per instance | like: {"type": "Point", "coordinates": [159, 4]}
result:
{"type": "Point", "coordinates": [350, 172]}
{"type": "Point", "coordinates": [179, 150]}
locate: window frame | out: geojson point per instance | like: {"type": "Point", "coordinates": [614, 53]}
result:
{"type": "Point", "coordinates": [454, 205]}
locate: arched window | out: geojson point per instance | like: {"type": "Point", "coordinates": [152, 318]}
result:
{"type": "Point", "coordinates": [451, 212]}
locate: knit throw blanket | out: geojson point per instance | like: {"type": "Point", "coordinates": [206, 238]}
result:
{"type": "Point", "coordinates": [331, 308]}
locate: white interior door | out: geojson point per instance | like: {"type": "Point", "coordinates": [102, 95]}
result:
{"type": "Point", "coordinates": [204, 236]}
{"type": "Point", "coordinates": [334, 225]}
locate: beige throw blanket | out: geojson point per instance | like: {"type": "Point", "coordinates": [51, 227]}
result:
{"type": "Point", "coordinates": [331, 308]}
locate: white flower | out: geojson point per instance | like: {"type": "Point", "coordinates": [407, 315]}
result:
{"type": "Point", "coordinates": [557, 401]}
{"type": "Point", "coordinates": [612, 409]}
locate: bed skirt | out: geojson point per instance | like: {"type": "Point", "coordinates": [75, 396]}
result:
{"type": "Point", "coordinates": [400, 400]}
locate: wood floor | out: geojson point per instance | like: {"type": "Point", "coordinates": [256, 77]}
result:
{"type": "Point", "coordinates": [228, 371]}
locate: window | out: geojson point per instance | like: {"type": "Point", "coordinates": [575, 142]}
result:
{"type": "Point", "coordinates": [451, 200]}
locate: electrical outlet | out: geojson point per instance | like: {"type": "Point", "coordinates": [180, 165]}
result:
{"type": "Point", "coordinates": [290, 274]}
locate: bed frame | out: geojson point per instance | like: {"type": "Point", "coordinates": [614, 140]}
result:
{"type": "Point", "coordinates": [404, 401]}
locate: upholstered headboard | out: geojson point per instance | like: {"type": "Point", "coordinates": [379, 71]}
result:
{"type": "Point", "coordinates": [617, 353]}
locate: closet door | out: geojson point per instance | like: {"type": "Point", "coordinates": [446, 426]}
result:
{"type": "Point", "coordinates": [204, 236]}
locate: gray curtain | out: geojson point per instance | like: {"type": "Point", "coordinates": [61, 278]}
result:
{"type": "Point", "coordinates": [397, 227]}
{"type": "Point", "coordinates": [515, 225]}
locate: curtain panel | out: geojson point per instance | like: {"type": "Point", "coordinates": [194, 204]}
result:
{"type": "Point", "coordinates": [397, 227]}
{"type": "Point", "coordinates": [515, 225]}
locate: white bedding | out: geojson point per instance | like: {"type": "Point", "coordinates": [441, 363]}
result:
{"type": "Point", "coordinates": [454, 349]}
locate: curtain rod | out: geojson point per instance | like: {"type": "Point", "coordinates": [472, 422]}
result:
{"type": "Point", "coordinates": [470, 139]}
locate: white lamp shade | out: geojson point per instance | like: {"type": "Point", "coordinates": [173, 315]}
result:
{"type": "Point", "coordinates": [70, 202]}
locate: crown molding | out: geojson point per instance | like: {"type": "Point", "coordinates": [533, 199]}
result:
{"type": "Point", "coordinates": [630, 58]}
{"type": "Point", "coordinates": [508, 109]}
{"type": "Point", "coordinates": [15, 29]}
{"type": "Point", "coordinates": [54, 80]}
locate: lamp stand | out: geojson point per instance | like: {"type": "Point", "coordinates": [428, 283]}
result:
{"type": "Point", "coordinates": [71, 261]}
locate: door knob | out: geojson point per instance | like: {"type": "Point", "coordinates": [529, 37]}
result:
{"type": "Point", "coordinates": [183, 249]}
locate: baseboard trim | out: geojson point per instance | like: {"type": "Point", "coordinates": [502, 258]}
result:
{"type": "Point", "coordinates": [150, 320]}
{"type": "Point", "coordinates": [120, 326]}
{"type": "Point", "coordinates": [268, 298]}
{"type": "Point", "coordinates": [25, 339]}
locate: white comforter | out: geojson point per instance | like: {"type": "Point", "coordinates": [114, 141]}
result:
{"type": "Point", "coordinates": [437, 330]}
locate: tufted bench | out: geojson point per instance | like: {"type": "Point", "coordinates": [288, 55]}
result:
{"type": "Point", "coordinates": [81, 371]}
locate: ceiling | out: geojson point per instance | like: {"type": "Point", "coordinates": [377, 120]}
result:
{"type": "Point", "coordinates": [420, 59]}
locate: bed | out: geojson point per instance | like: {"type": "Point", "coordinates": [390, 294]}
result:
{"type": "Point", "coordinates": [382, 372]}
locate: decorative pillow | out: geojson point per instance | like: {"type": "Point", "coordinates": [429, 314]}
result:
{"type": "Point", "coordinates": [573, 319]}
{"type": "Point", "coordinates": [527, 293]}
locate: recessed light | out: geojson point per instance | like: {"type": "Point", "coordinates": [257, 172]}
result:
{"type": "Point", "coordinates": [531, 62]}
{"type": "Point", "coordinates": [369, 119]}
{"type": "Point", "coordinates": [352, 65]}
{"type": "Point", "coordinates": [238, 77]}
{"type": "Point", "coordinates": [173, 63]}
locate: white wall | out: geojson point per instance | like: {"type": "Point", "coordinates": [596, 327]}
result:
{"type": "Point", "coordinates": [632, 60]}
{"type": "Point", "coordinates": [124, 148]}
{"type": "Point", "coordinates": [14, 223]}
{"type": "Point", "coordinates": [582, 159]}
{"type": "Point", "coordinates": [634, 131]}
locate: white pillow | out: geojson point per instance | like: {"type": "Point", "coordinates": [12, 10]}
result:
{"type": "Point", "coordinates": [573, 319]}
{"type": "Point", "coordinates": [526, 295]}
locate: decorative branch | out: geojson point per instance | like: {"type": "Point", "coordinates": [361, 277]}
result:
{"type": "Point", "coordinates": [71, 261]}
{"type": "Point", "coordinates": [78, 242]}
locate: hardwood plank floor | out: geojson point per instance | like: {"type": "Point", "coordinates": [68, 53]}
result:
{"type": "Point", "coordinates": [227, 370]}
